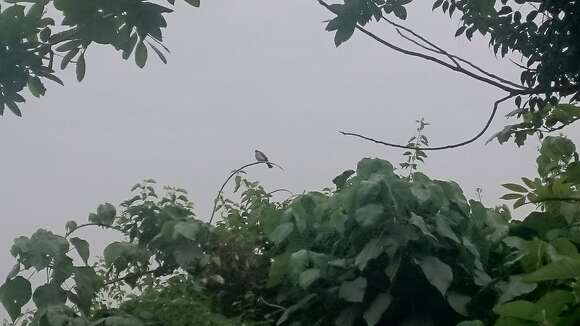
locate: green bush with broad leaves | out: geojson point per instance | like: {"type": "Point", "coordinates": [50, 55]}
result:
{"type": "Point", "coordinates": [377, 249]}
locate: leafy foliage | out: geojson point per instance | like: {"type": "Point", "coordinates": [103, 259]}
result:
{"type": "Point", "coordinates": [30, 39]}
{"type": "Point", "coordinates": [415, 142]}
{"type": "Point", "coordinates": [373, 251]}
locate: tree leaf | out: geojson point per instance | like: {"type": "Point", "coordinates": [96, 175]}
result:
{"type": "Point", "coordinates": [14, 294]}
{"type": "Point", "coordinates": [281, 232]}
{"type": "Point", "coordinates": [278, 269]}
{"type": "Point", "coordinates": [437, 272]}
{"type": "Point", "coordinates": [377, 308]}
{"type": "Point", "coordinates": [188, 230]}
{"type": "Point", "coordinates": [195, 3]}
{"type": "Point", "coordinates": [82, 247]}
{"type": "Point", "coordinates": [371, 250]}
{"type": "Point", "coordinates": [140, 54]}
{"type": "Point", "coordinates": [48, 294]}
{"type": "Point", "coordinates": [344, 31]}
{"type": "Point", "coordinates": [418, 221]}
{"type": "Point", "coordinates": [308, 277]}
{"type": "Point", "coordinates": [81, 67]}
{"type": "Point", "coordinates": [353, 291]}
{"type": "Point", "coordinates": [36, 87]}
{"type": "Point", "coordinates": [511, 196]}
{"type": "Point", "coordinates": [518, 309]}
{"type": "Point", "coordinates": [566, 268]}
{"type": "Point", "coordinates": [515, 187]}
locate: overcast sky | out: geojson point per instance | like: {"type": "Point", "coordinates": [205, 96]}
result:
{"type": "Point", "coordinates": [243, 75]}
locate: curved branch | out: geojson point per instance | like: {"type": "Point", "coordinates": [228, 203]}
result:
{"type": "Point", "coordinates": [280, 190]}
{"type": "Point", "coordinates": [430, 58]}
{"type": "Point", "coordinates": [451, 56]}
{"type": "Point", "coordinates": [106, 226]}
{"type": "Point", "coordinates": [231, 176]}
{"type": "Point", "coordinates": [463, 143]}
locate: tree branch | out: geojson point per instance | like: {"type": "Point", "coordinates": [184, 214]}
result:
{"type": "Point", "coordinates": [231, 176]}
{"type": "Point", "coordinates": [463, 143]}
{"type": "Point", "coordinates": [461, 70]}
{"type": "Point", "coordinates": [93, 224]}
{"type": "Point", "coordinates": [451, 56]}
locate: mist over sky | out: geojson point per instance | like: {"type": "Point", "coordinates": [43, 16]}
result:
{"type": "Point", "coordinates": [244, 75]}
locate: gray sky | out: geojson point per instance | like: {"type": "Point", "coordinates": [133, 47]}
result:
{"type": "Point", "coordinates": [243, 75]}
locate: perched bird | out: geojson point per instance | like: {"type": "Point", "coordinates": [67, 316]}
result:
{"type": "Point", "coordinates": [261, 157]}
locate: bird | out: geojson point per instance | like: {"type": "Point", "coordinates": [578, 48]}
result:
{"type": "Point", "coordinates": [261, 157]}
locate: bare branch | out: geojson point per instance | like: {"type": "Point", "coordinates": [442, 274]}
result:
{"type": "Point", "coordinates": [451, 56]}
{"type": "Point", "coordinates": [461, 70]}
{"type": "Point", "coordinates": [463, 143]}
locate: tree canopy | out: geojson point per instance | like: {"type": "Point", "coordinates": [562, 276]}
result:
{"type": "Point", "coordinates": [32, 43]}
{"type": "Point", "coordinates": [379, 247]}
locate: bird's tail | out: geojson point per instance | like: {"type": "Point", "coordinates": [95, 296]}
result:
{"type": "Point", "coordinates": [269, 165]}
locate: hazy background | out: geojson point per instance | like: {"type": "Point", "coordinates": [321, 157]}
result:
{"type": "Point", "coordinates": [244, 75]}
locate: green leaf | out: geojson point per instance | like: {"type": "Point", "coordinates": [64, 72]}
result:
{"type": "Point", "coordinates": [281, 232]}
{"type": "Point", "coordinates": [566, 268]}
{"type": "Point", "coordinates": [437, 272]}
{"type": "Point", "coordinates": [194, 3]}
{"type": "Point", "coordinates": [353, 291]}
{"type": "Point", "coordinates": [344, 31]}
{"type": "Point", "coordinates": [443, 228]}
{"type": "Point", "coordinates": [87, 284]}
{"type": "Point", "coordinates": [340, 181]}
{"type": "Point", "coordinates": [14, 108]}
{"type": "Point", "coordinates": [511, 196]}
{"type": "Point", "coordinates": [81, 67]}
{"type": "Point", "coordinates": [373, 249]}
{"type": "Point", "coordinates": [458, 302]}
{"type": "Point", "coordinates": [278, 269]}
{"type": "Point", "coordinates": [518, 309]}
{"type": "Point", "coordinates": [520, 202]}
{"type": "Point", "coordinates": [418, 221]}
{"type": "Point", "coordinates": [36, 87]}
{"type": "Point", "coordinates": [105, 214]}
{"type": "Point", "coordinates": [515, 187]}
{"type": "Point", "coordinates": [82, 247]}
{"type": "Point", "coordinates": [308, 277]}
{"type": "Point", "coordinates": [514, 288]}
{"type": "Point", "coordinates": [188, 230]}
{"type": "Point", "coordinates": [377, 308]}
{"type": "Point", "coordinates": [48, 294]}
{"type": "Point", "coordinates": [69, 45]}
{"type": "Point", "coordinates": [369, 214]}
{"type": "Point", "coordinates": [400, 12]}
{"type": "Point", "coordinates": [140, 54]}
{"type": "Point", "coordinates": [68, 57]}
{"type": "Point", "coordinates": [14, 294]}
{"type": "Point", "coordinates": [187, 255]}
{"type": "Point", "coordinates": [159, 53]}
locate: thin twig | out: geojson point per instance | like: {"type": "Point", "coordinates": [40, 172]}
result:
{"type": "Point", "coordinates": [431, 58]}
{"type": "Point", "coordinates": [463, 143]}
{"type": "Point", "coordinates": [440, 50]}
{"type": "Point", "coordinates": [231, 176]}
{"type": "Point", "coordinates": [93, 224]}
